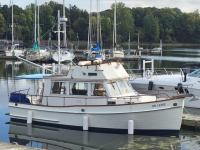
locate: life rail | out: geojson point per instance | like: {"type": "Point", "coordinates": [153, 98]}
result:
{"type": "Point", "coordinates": [138, 73]}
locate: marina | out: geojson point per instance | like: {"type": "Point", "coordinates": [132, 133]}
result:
{"type": "Point", "coordinates": [98, 79]}
{"type": "Point", "coordinates": [187, 121]}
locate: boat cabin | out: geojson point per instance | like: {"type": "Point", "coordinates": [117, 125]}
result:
{"type": "Point", "coordinates": [89, 84]}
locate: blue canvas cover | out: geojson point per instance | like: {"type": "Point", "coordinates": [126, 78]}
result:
{"type": "Point", "coordinates": [32, 76]}
{"type": "Point", "coordinates": [96, 48]}
{"type": "Point", "coordinates": [19, 97]}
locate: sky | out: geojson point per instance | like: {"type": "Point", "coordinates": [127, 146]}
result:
{"type": "Point", "coordinates": [184, 5]}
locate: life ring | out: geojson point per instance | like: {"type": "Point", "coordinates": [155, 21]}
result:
{"type": "Point", "coordinates": [148, 74]}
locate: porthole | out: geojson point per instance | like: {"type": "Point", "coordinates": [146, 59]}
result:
{"type": "Point", "coordinates": [162, 88]}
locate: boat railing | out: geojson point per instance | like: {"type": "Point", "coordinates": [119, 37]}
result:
{"type": "Point", "coordinates": [36, 99]}
{"type": "Point", "coordinates": [148, 73]}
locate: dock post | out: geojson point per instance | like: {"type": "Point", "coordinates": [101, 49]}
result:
{"type": "Point", "coordinates": [85, 123]}
{"type": "Point", "coordinates": [29, 117]}
{"type": "Point", "coordinates": [130, 127]}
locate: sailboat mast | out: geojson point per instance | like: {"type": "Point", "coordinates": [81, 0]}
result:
{"type": "Point", "coordinates": [138, 41]}
{"type": "Point", "coordinates": [98, 21]}
{"type": "Point", "coordinates": [64, 26]}
{"type": "Point", "coordinates": [35, 38]}
{"type": "Point", "coordinates": [129, 44]}
{"type": "Point", "coordinates": [90, 28]}
{"type": "Point", "coordinates": [115, 25]}
{"type": "Point", "coordinates": [12, 25]}
{"type": "Point", "coordinates": [59, 38]}
{"type": "Point", "coordinates": [38, 23]}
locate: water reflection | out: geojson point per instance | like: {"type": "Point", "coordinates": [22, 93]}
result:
{"type": "Point", "coordinates": [56, 138]}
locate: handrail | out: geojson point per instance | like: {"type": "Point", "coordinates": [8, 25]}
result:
{"type": "Point", "coordinates": [26, 90]}
{"type": "Point", "coordinates": [119, 97]}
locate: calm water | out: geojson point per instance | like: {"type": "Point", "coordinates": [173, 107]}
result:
{"type": "Point", "coordinates": [54, 138]}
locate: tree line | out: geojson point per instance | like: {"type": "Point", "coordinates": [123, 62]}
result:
{"type": "Point", "coordinates": [169, 24]}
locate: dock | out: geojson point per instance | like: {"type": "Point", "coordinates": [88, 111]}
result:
{"type": "Point", "coordinates": [80, 57]}
{"type": "Point", "coordinates": [9, 146]}
{"type": "Point", "coordinates": [191, 121]}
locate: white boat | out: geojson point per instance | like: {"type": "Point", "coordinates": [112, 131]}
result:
{"type": "Point", "coordinates": [97, 97]}
{"type": "Point", "coordinates": [95, 52]}
{"type": "Point", "coordinates": [65, 56]}
{"type": "Point", "coordinates": [185, 84]}
{"type": "Point", "coordinates": [15, 50]}
{"type": "Point", "coordinates": [117, 51]}
{"type": "Point", "coordinates": [37, 54]}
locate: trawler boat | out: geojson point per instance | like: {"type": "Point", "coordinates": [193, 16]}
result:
{"type": "Point", "coordinates": [97, 97]}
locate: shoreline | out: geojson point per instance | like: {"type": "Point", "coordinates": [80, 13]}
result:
{"type": "Point", "coordinates": [164, 44]}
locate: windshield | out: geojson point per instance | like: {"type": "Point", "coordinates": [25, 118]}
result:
{"type": "Point", "coordinates": [121, 87]}
{"type": "Point", "coordinates": [195, 73]}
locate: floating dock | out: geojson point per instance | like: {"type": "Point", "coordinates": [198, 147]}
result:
{"type": "Point", "coordinates": [80, 57]}
{"type": "Point", "coordinates": [191, 121]}
{"type": "Point", "coordinates": [15, 146]}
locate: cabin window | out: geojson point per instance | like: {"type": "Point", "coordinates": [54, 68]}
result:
{"type": "Point", "coordinates": [113, 88]}
{"type": "Point", "coordinates": [58, 88]}
{"type": "Point", "coordinates": [78, 88]}
{"type": "Point", "coordinates": [123, 87]}
{"type": "Point", "coordinates": [97, 89]}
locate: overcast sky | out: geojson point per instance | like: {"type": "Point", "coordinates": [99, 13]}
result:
{"type": "Point", "coordinates": [184, 5]}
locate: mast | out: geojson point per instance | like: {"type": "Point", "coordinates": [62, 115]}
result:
{"type": "Point", "coordinates": [90, 28]}
{"type": "Point", "coordinates": [38, 23]}
{"type": "Point", "coordinates": [138, 40]}
{"type": "Point", "coordinates": [12, 26]}
{"type": "Point", "coordinates": [98, 21]}
{"type": "Point", "coordinates": [35, 38]}
{"type": "Point", "coordinates": [129, 44]}
{"type": "Point", "coordinates": [64, 26]}
{"type": "Point", "coordinates": [115, 25]}
{"type": "Point", "coordinates": [59, 39]}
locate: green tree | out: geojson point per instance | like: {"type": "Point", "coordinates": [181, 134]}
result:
{"type": "Point", "coordinates": [125, 21]}
{"type": "Point", "coordinates": [81, 27]}
{"type": "Point", "coordinates": [2, 26]}
{"type": "Point", "coordinates": [47, 19]}
{"type": "Point", "coordinates": [151, 28]}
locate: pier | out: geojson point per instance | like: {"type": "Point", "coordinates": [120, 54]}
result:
{"type": "Point", "coordinates": [15, 146]}
{"type": "Point", "coordinates": [191, 121]}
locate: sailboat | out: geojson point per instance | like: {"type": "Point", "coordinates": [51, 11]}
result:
{"type": "Point", "coordinates": [117, 51]}
{"type": "Point", "coordinates": [65, 55]}
{"type": "Point", "coordinates": [95, 53]}
{"type": "Point", "coordinates": [36, 53]}
{"type": "Point", "coordinates": [15, 49]}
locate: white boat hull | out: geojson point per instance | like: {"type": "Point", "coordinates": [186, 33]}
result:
{"type": "Point", "coordinates": [118, 54]}
{"type": "Point", "coordinates": [64, 57]}
{"type": "Point", "coordinates": [42, 56]}
{"type": "Point", "coordinates": [16, 53]}
{"type": "Point", "coordinates": [148, 117]}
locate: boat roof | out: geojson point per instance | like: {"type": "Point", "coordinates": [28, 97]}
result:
{"type": "Point", "coordinates": [98, 72]}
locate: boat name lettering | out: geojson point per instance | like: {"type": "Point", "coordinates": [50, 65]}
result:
{"type": "Point", "coordinates": [159, 105]}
